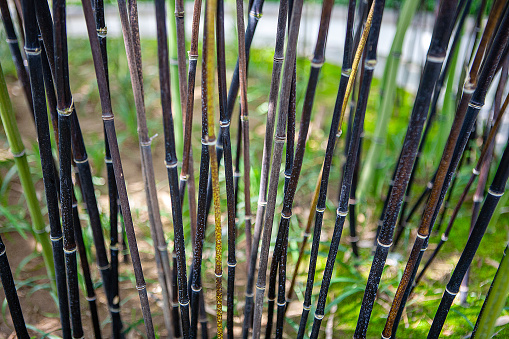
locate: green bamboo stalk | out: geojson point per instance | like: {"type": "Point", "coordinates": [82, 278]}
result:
{"type": "Point", "coordinates": [368, 178]}
{"type": "Point", "coordinates": [20, 159]}
{"type": "Point", "coordinates": [494, 302]}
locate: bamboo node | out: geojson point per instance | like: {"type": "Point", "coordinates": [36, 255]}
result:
{"type": "Point", "coordinates": [91, 298]}
{"type": "Point", "coordinates": [451, 293]}
{"type": "Point", "coordinates": [19, 154]}
{"type": "Point", "coordinates": [353, 239]}
{"type": "Point", "coordinates": [262, 203]}
{"type": "Point", "coordinates": [184, 304]}
{"type": "Point", "coordinates": [435, 59]}
{"type": "Point", "coordinates": [320, 209]}
{"type": "Point", "coordinates": [383, 245]}
{"type": "Point", "coordinates": [108, 161]}
{"type": "Point", "coordinates": [474, 105]}
{"type": "Point", "coordinates": [102, 32]}
{"type": "Point", "coordinates": [384, 337]}
{"type": "Point", "coordinates": [318, 64]}
{"type": "Point", "coordinates": [40, 231]}
{"type": "Point", "coordinates": [283, 304]}
{"type": "Point", "coordinates": [107, 116]}
{"type": "Point", "coordinates": [105, 267]}
{"type": "Point", "coordinates": [74, 204]}
{"type": "Point", "coordinates": [171, 165]}
{"type": "Point", "coordinates": [468, 87]}
{"type": "Point", "coordinates": [346, 72]}
{"type": "Point", "coordinates": [284, 216]}
{"type": "Point", "coordinates": [341, 213]}
{"type": "Point", "coordinates": [260, 288]}
{"type": "Point", "coordinates": [192, 56]}
{"type": "Point", "coordinates": [141, 288]}
{"type": "Point", "coordinates": [11, 41]}
{"type": "Point", "coordinates": [271, 298]}
{"type": "Point", "coordinates": [114, 309]}
{"type": "Point", "coordinates": [421, 236]}
{"type": "Point", "coordinates": [475, 171]}
{"type": "Point", "coordinates": [494, 193]}
{"type": "Point", "coordinates": [232, 264]}
{"type": "Point", "coordinates": [33, 51]}
{"type": "Point", "coordinates": [196, 289]}
{"type": "Point", "coordinates": [279, 59]}
{"type": "Point", "coordinates": [84, 161]}
{"type": "Point", "coordinates": [237, 175]}
{"type": "Point", "coordinates": [255, 15]}
{"type": "Point", "coordinates": [67, 111]}
{"type": "Point", "coordinates": [224, 123]}
{"type": "Point", "coordinates": [208, 141]}
{"type": "Point", "coordinates": [288, 176]}
{"type": "Point", "coordinates": [70, 251]}
{"type": "Point", "coordinates": [306, 308]}
{"type": "Point", "coordinates": [370, 64]}
{"type": "Point", "coordinates": [249, 295]}
{"type": "Point", "coordinates": [183, 177]}
{"type": "Point", "coordinates": [319, 316]}
{"type": "Point", "coordinates": [220, 275]}
{"type": "Point", "coordinates": [279, 140]}
{"type": "Point", "coordinates": [3, 252]}
{"type": "Point", "coordinates": [54, 239]}
{"type": "Point", "coordinates": [179, 14]}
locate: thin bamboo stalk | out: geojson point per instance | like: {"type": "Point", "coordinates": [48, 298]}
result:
{"type": "Point", "coordinates": [279, 139]}
{"type": "Point", "coordinates": [208, 112]}
{"type": "Point", "coordinates": [230, 190]}
{"type": "Point", "coordinates": [112, 187]}
{"type": "Point", "coordinates": [376, 14]}
{"type": "Point", "coordinates": [252, 248]}
{"type": "Point", "coordinates": [496, 190]}
{"type": "Point", "coordinates": [130, 32]}
{"type": "Point", "coordinates": [44, 20]}
{"type": "Point", "coordinates": [109, 125]}
{"type": "Point", "coordinates": [455, 146]}
{"type": "Point", "coordinates": [435, 57]}
{"type": "Point", "coordinates": [17, 58]}
{"type": "Point", "coordinates": [11, 295]}
{"type": "Point", "coordinates": [65, 108]}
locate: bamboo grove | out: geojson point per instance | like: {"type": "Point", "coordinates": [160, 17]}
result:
{"type": "Point", "coordinates": [243, 278]}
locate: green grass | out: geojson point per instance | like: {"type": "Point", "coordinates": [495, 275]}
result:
{"type": "Point", "coordinates": [349, 279]}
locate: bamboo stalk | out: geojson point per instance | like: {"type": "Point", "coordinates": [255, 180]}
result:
{"type": "Point", "coordinates": [12, 40]}
{"type": "Point", "coordinates": [376, 13]}
{"type": "Point", "coordinates": [447, 72]}
{"type": "Point", "coordinates": [130, 32]}
{"type": "Point", "coordinates": [252, 247]}
{"type": "Point", "coordinates": [436, 54]}
{"type": "Point", "coordinates": [109, 125]}
{"type": "Point", "coordinates": [279, 139]}
{"type": "Point", "coordinates": [455, 146]}
{"type": "Point", "coordinates": [11, 295]}
{"type": "Point", "coordinates": [65, 108]}
{"type": "Point", "coordinates": [495, 192]}
{"type": "Point", "coordinates": [112, 187]}
{"type": "Point", "coordinates": [230, 190]}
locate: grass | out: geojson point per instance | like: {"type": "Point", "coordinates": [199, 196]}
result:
{"type": "Point", "coordinates": [348, 280]}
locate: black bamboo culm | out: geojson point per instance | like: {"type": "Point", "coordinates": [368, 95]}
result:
{"type": "Point", "coordinates": [348, 74]}
{"type": "Point", "coordinates": [11, 295]}
{"type": "Point", "coordinates": [255, 13]}
{"type": "Point", "coordinates": [458, 138]}
{"type": "Point", "coordinates": [17, 58]}
{"type": "Point", "coordinates": [279, 139]}
{"type": "Point", "coordinates": [130, 32]}
{"type": "Point", "coordinates": [475, 172]}
{"type": "Point", "coordinates": [349, 169]}
{"type": "Point", "coordinates": [484, 171]}
{"type": "Point", "coordinates": [80, 158]}
{"type": "Point", "coordinates": [228, 166]}
{"type": "Point", "coordinates": [434, 60]}
{"type": "Point", "coordinates": [112, 186]}
{"type": "Point", "coordinates": [496, 190]}
{"type": "Point", "coordinates": [316, 64]}
{"type": "Point", "coordinates": [37, 85]}
{"type": "Point", "coordinates": [464, 9]}
{"type": "Point", "coordinates": [266, 155]}
{"type": "Point", "coordinates": [109, 125]}
{"type": "Point", "coordinates": [65, 109]}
